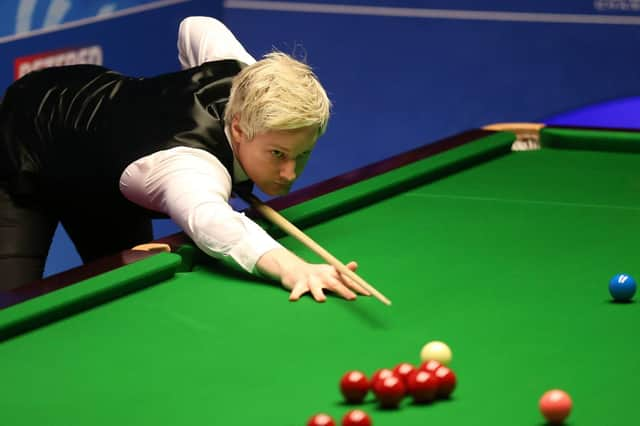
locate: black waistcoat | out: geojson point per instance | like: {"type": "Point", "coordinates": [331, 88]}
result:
{"type": "Point", "coordinates": [77, 128]}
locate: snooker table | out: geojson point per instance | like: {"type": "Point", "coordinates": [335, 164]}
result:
{"type": "Point", "coordinates": [503, 254]}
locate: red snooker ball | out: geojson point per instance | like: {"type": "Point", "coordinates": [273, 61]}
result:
{"type": "Point", "coordinates": [447, 379]}
{"type": "Point", "coordinates": [403, 370]}
{"type": "Point", "coordinates": [422, 386]}
{"type": "Point", "coordinates": [430, 366]}
{"type": "Point", "coordinates": [356, 418]}
{"type": "Point", "coordinates": [389, 391]}
{"type": "Point", "coordinates": [321, 420]}
{"type": "Point", "coordinates": [381, 374]}
{"type": "Point", "coordinates": [354, 386]}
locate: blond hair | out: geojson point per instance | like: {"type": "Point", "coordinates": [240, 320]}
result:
{"type": "Point", "coordinates": [277, 93]}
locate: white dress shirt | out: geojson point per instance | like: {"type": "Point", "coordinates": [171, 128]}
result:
{"type": "Point", "coordinates": [191, 185]}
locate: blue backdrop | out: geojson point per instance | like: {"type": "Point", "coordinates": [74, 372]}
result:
{"type": "Point", "coordinates": [402, 76]}
{"type": "Point", "coordinates": [400, 73]}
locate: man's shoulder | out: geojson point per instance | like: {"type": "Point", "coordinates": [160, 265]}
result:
{"type": "Point", "coordinates": [220, 69]}
{"type": "Point", "coordinates": [197, 78]}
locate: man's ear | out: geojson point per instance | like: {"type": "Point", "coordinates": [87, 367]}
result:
{"type": "Point", "coordinates": [236, 131]}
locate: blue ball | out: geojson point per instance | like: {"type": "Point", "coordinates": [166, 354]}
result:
{"type": "Point", "coordinates": [622, 287]}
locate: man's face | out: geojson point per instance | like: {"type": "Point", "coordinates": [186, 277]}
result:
{"type": "Point", "coordinates": [274, 159]}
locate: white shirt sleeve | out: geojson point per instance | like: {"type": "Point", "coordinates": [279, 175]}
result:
{"type": "Point", "coordinates": [193, 188]}
{"type": "Point", "coordinates": [202, 39]}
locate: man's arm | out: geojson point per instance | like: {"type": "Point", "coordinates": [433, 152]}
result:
{"type": "Point", "coordinates": [202, 39]}
{"type": "Point", "coordinates": [193, 188]}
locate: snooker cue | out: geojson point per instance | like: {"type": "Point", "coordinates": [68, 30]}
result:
{"type": "Point", "coordinates": [288, 227]}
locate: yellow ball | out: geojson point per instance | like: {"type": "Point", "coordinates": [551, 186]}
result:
{"type": "Point", "coordinates": [438, 351]}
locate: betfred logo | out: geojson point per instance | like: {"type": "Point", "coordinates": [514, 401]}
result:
{"type": "Point", "coordinates": [56, 58]}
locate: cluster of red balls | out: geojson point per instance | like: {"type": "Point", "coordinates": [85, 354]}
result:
{"type": "Point", "coordinates": [424, 384]}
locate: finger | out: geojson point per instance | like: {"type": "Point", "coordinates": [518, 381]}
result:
{"type": "Point", "coordinates": [352, 284]}
{"type": "Point", "coordinates": [338, 288]}
{"type": "Point", "coordinates": [353, 266]}
{"type": "Point", "coordinates": [298, 290]}
{"type": "Point", "coordinates": [315, 286]}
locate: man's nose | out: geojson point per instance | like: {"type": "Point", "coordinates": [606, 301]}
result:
{"type": "Point", "coordinates": [288, 170]}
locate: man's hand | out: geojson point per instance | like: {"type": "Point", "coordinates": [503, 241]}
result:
{"type": "Point", "coordinates": [302, 277]}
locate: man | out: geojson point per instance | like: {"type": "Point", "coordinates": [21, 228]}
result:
{"type": "Point", "coordinates": [99, 151]}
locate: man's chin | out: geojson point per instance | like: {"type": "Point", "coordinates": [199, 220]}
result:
{"type": "Point", "coordinates": [276, 190]}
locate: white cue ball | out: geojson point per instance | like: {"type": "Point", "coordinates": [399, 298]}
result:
{"type": "Point", "coordinates": [438, 351]}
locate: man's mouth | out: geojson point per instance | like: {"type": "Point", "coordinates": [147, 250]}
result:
{"type": "Point", "coordinates": [284, 186]}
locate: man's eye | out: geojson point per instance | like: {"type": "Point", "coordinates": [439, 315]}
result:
{"type": "Point", "coordinates": [277, 154]}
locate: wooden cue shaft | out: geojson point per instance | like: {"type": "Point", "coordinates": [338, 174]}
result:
{"type": "Point", "coordinates": [277, 219]}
